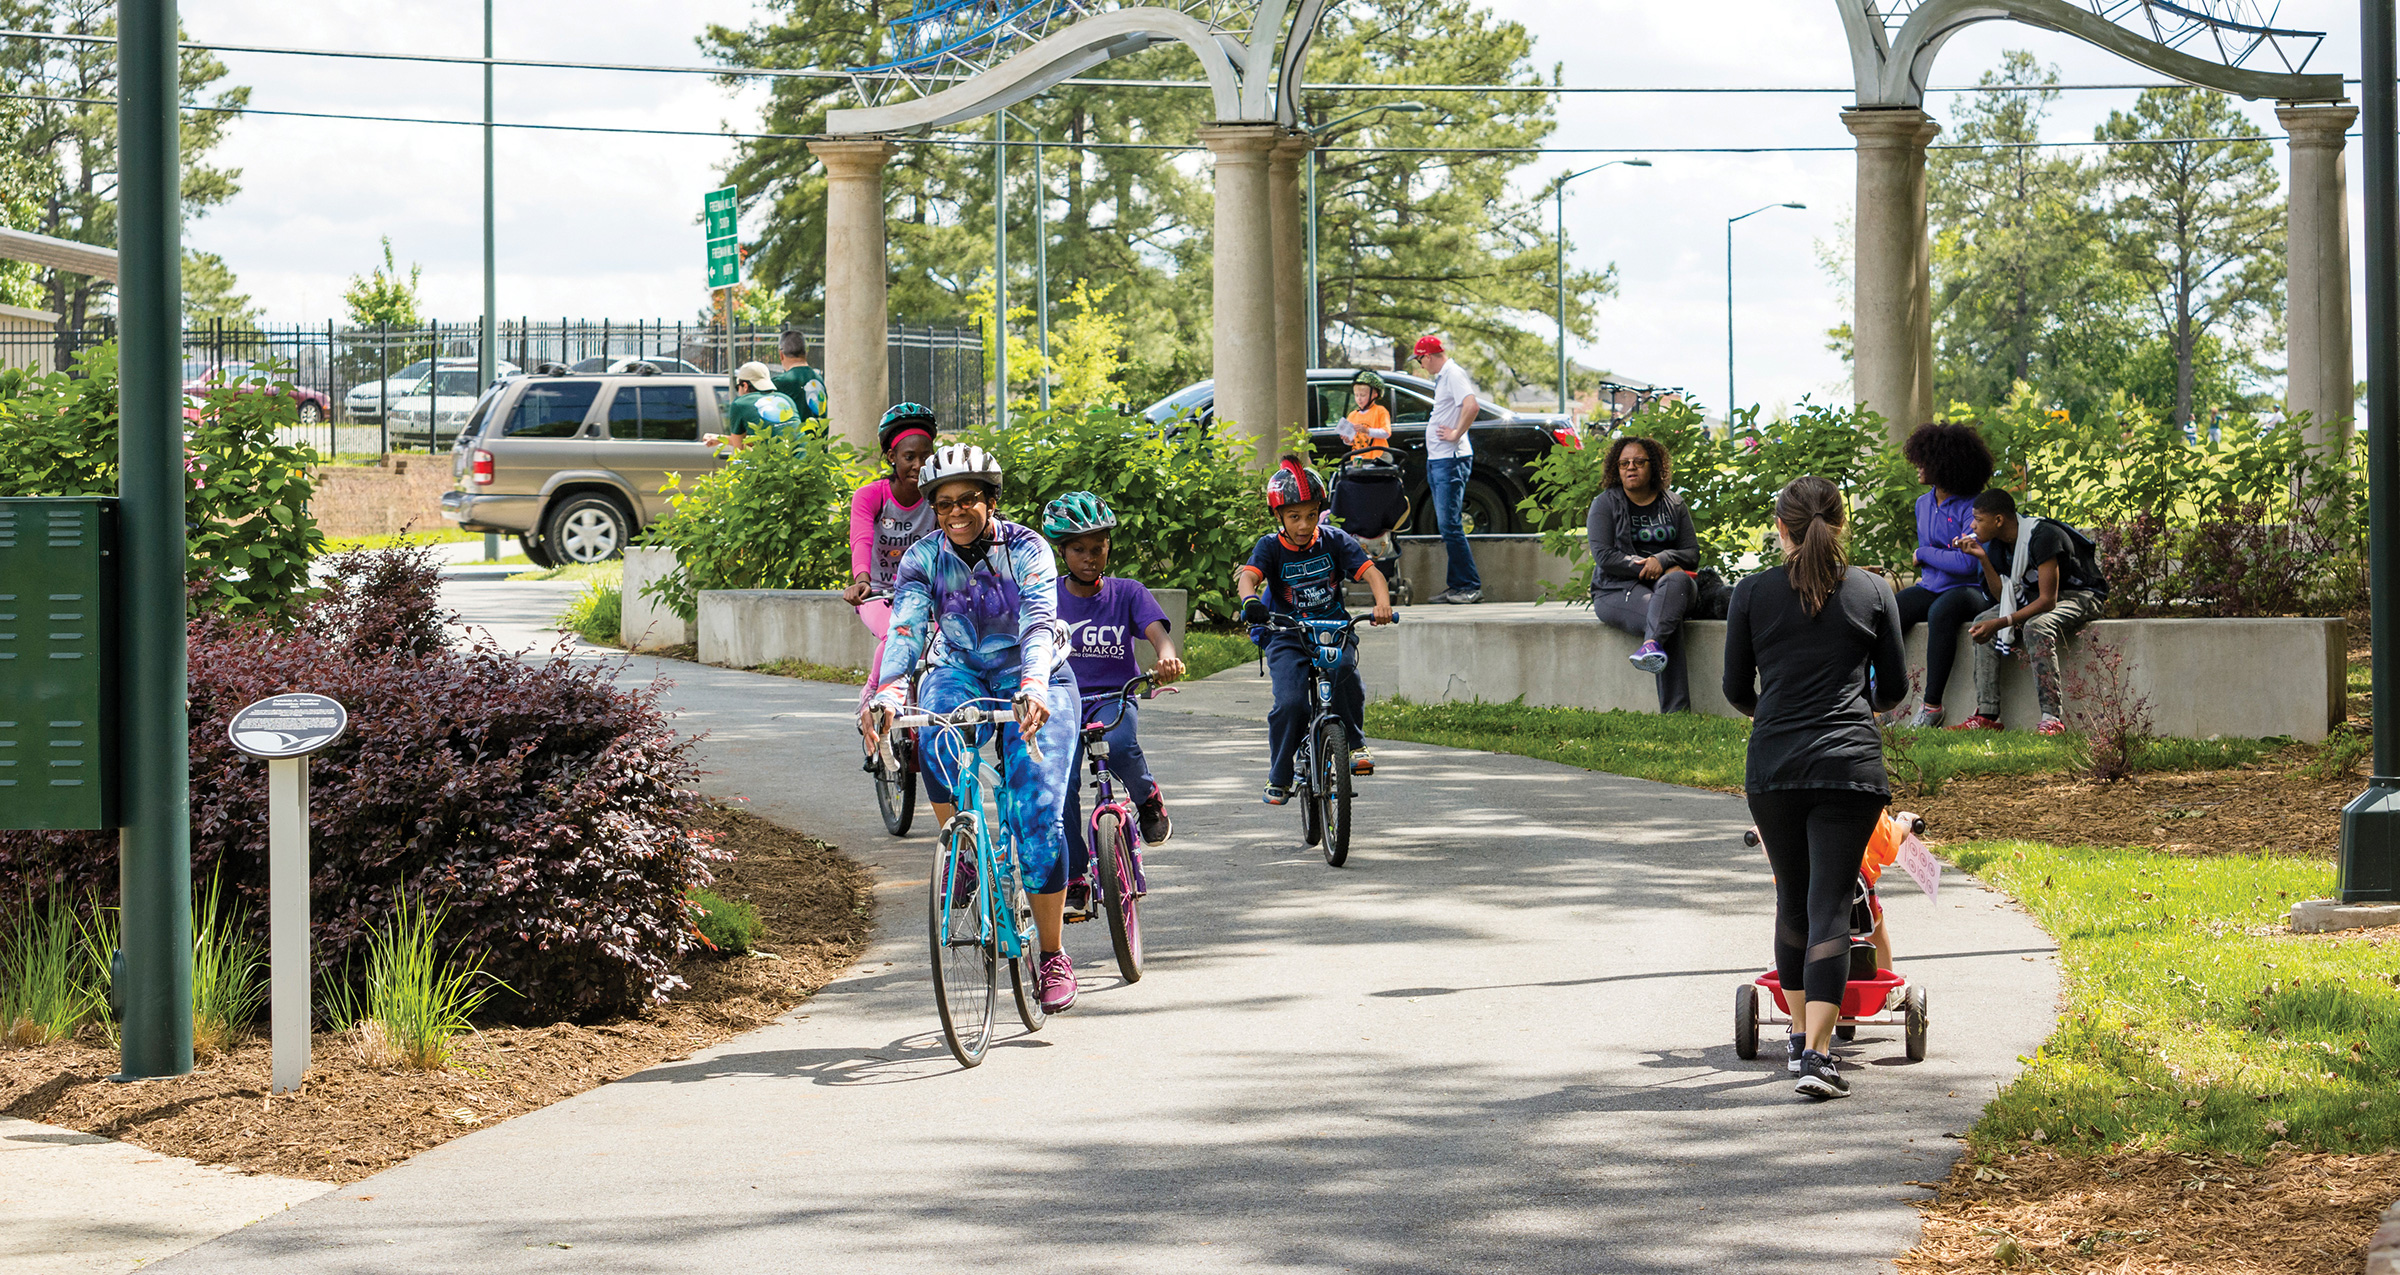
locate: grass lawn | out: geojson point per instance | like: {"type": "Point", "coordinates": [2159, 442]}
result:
{"type": "Point", "coordinates": [610, 573]}
{"type": "Point", "coordinates": [2195, 1021]}
{"type": "Point", "coordinates": [1207, 653]}
{"type": "Point", "coordinates": [808, 671]}
{"type": "Point", "coordinates": [1708, 752]}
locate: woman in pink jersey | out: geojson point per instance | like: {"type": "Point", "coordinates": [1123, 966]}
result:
{"type": "Point", "coordinates": [889, 514]}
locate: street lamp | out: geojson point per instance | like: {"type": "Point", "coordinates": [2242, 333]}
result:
{"type": "Point", "coordinates": [1559, 271]}
{"type": "Point", "coordinates": [1041, 254]}
{"type": "Point", "coordinates": [1729, 301]}
{"type": "Point", "coordinates": [1316, 332]}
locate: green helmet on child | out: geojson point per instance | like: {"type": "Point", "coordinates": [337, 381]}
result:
{"type": "Point", "coordinates": [1076, 513]}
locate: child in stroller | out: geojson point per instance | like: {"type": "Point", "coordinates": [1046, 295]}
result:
{"type": "Point", "coordinates": [1369, 498]}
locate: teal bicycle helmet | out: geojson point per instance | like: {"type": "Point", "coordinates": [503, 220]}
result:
{"type": "Point", "coordinates": [902, 418]}
{"type": "Point", "coordinates": [1075, 514]}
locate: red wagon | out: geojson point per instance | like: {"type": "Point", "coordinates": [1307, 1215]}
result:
{"type": "Point", "coordinates": [1872, 996]}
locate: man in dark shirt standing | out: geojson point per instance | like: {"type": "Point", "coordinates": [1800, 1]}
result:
{"type": "Point", "coordinates": [2047, 579]}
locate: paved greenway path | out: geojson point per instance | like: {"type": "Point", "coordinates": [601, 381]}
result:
{"type": "Point", "coordinates": [1499, 1041]}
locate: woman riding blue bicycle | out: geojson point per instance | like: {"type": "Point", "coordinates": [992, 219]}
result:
{"type": "Point", "coordinates": [983, 596]}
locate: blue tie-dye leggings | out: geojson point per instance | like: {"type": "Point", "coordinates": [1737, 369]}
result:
{"type": "Point", "coordinates": [1032, 797]}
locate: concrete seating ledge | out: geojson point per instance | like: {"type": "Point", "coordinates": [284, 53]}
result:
{"type": "Point", "coordinates": [744, 628]}
{"type": "Point", "coordinates": [2242, 678]}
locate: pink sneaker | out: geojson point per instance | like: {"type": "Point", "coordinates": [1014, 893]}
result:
{"type": "Point", "coordinates": [1057, 979]}
{"type": "Point", "coordinates": [2052, 726]}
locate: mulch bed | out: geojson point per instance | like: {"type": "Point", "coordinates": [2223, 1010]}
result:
{"type": "Point", "coordinates": [2241, 811]}
{"type": "Point", "coordinates": [349, 1121]}
{"type": "Point", "coordinates": [2156, 1213]}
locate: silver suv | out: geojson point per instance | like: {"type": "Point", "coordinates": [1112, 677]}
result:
{"type": "Point", "coordinates": [574, 466]}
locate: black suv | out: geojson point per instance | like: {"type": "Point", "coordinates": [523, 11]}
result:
{"type": "Point", "coordinates": [1506, 443]}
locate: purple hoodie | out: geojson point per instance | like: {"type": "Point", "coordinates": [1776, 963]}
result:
{"type": "Point", "coordinates": [1939, 525]}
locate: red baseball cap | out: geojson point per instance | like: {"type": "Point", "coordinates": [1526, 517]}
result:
{"type": "Point", "coordinates": [1427, 345]}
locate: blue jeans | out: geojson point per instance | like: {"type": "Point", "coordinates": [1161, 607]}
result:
{"type": "Point", "coordinates": [1448, 477]}
{"type": "Point", "coordinates": [1126, 765]}
{"type": "Point", "coordinates": [1290, 664]}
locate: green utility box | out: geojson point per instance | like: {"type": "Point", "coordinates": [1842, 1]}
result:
{"type": "Point", "coordinates": [58, 662]}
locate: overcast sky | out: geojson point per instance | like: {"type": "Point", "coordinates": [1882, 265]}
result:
{"type": "Point", "coordinates": [595, 225]}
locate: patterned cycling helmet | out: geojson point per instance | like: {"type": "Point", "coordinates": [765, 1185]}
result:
{"type": "Point", "coordinates": [1370, 380]}
{"type": "Point", "coordinates": [1076, 513]}
{"type": "Point", "coordinates": [961, 460]}
{"type": "Point", "coordinates": [902, 418]}
{"type": "Point", "coordinates": [1293, 483]}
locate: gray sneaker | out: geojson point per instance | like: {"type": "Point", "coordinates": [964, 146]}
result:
{"type": "Point", "coordinates": [1820, 1078]}
{"type": "Point", "coordinates": [1463, 597]}
{"type": "Point", "coordinates": [1927, 717]}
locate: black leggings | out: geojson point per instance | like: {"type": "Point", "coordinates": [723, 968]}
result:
{"type": "Point", "coordinates": [1815, 839]}
{"type": "Point", "coordinates": [1948, 611]}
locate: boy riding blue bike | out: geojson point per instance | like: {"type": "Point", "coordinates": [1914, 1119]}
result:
{"type": "Point", "coordinates": [983, 595]}
{"type": "Point", "coordinates": [1298, 571]}
{"type": "Point", "coordinates": [1103, 614]}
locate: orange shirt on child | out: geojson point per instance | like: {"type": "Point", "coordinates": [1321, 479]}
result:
{"type": "Point", "coordinates": [1369, 432]}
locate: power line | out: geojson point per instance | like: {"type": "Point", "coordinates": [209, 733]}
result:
{"type": "Point", "coordinates": [732, 72]}
{"type": "Point", "coordinates": [981, 143]}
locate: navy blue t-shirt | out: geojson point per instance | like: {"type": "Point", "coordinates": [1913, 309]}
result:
{"type": "Point", "coordinates": [1307, 582]}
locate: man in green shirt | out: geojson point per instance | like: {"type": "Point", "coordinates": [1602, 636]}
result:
{"type": "Point", "coordinates": [758, 407]}
{"type": "Point", "coordinates": [799, 382]}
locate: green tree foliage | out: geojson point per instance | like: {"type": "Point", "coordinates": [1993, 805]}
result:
{"type": "Point", "coordinates": [249, 534]}
{"type": "Point", "coordinates": [23, 177]}
{"type": "Point", "coordinates": [1411, 242]}
{"type": "Point", "coordinates": [2200, 225]}
{"type": "Point", "coordinates": [2025, 286]}
{"type": "Point", "coordinates": [208, 292]}
{"type": "Point", "coordinates": [380, 297]}
{"type": "Point", "coordinates": [73, 142]}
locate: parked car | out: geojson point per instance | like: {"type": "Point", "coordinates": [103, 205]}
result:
{"type": "Point", "coordinates": [450, 394]}
{"type": "Point", "coordinates": [623, 363]}
{"type": "Point", "coordinates": [575, 465]}
{"type": "Point", "coordinates": [314, 407]}
{"type": "Point", "coordinates": [1507, 443]}
{"type": "Point", "coordinates": [365, 404]}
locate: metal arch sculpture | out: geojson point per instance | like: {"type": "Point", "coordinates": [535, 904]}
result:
{"type": "Point", "coordinates": [2232, 46]}
{"type": "Point", "coordinates": [1001, 52]}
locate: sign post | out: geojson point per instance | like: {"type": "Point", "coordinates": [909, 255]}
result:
{"type": "Point", "coordinates": [285, 730]}
{"type": "Point", "coordinates": [720, 214]}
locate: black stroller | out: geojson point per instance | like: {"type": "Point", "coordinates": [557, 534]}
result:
{"type": "Point", "coordinates": [1370, 501]}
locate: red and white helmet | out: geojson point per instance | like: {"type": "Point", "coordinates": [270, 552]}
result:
{"type": "Point", "coordinates": [1293, 483]}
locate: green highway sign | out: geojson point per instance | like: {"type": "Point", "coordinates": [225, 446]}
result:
{"type": "Point", "coordinates": [719, 212]}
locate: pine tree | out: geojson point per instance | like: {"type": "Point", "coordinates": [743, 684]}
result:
{"type": "Point", "coordinates": [74, 142]}
{"type": "Point", "coordinates": [208, 293]}
{"type": "Point", "coordinates": [2199, 224]}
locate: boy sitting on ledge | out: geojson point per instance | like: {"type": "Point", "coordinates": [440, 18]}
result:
{"type": "Point", "coordinates": [2046, 576]}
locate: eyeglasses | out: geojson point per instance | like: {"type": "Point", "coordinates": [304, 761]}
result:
{"type": "Point", "coordinates": [943, 505]}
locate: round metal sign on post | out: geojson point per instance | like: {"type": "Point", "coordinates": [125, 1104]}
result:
{"type": "Point", "coordinates": [287, 725]}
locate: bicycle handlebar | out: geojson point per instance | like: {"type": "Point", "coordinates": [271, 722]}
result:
{"type": "Point", "coordinates": [1292, 624]}
{"type": "Point", "coordinates": [966, 715]}
{"type": "Point", "coordinates": [1121, 696]}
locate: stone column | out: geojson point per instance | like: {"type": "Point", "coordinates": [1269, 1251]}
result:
{"type": "Point", "coordinates": [2317, 258]}
{"type": "Point", "coordinates": [1892, 331]}
{"type": "Point", "coordinates": [1243, 258]}
{"type": "Point", "coordinates": [1288, 223]}
{"type": "Point", "coordinates": [857, 279]}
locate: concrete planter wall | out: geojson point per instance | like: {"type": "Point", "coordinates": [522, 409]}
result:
{"type": "Point", "coordinates": [2246, 678]}
{"type": "Point", "coordinates": [1514, 568]}
{"type": "Point", "coordinates": [649, 624]}
{"type": "Point", "coordinates": [744, 628]}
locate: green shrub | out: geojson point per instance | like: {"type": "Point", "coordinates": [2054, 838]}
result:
{"type": "Point", "coordinates": [416, 1000]}
{"type": "Point", "coordinates": [777, 516]}
{"type": "Point", "coordinates": [731, 926]}
{"type": "Point", "coordinates": [53, 973]}
{"type": "Point", "coordinates": [1187, 503]}
{"type": "Point", "coordinates": [249, 534]}
{"type": "Point", "coordinates": [598, 614]}
{"type": "Point", "coordinates": [228, 971]}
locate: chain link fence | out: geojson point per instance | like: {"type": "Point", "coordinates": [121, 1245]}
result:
{"type": "Point", "coordinates": [349, 379]}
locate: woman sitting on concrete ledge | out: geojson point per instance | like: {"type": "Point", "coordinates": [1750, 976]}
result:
{"type": "Point", "coordinates": [1644, 552]}
{"type": "Point", "coordinates": [1955, 464]}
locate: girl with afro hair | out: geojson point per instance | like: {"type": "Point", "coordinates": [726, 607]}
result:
{"type": "Point", "coordinates": [1955, 465]}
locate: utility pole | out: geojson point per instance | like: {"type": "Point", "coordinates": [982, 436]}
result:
{"type": "Point", "coordinates": [1729, 304]}
{"type": "Point", "coordinates": [1558, 270]}
{"type": "Point", "coordinates": [1000, 269]}
{"type": "Point", "coordinates": [487, 364]}
{"type": "Point", "coordinates": [2370, 858]}
{"type": "Point", "coordinates": [154, 978]}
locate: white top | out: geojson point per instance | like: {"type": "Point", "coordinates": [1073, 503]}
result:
{"type": "Point", "coordinates": [1451, 390]}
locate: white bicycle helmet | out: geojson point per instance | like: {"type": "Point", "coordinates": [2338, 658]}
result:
{"type": "Point", "coordinates": [960, 460]}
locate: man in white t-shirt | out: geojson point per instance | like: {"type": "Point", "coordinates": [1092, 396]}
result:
{"type": "Point", "coordinates": [1449, 461]}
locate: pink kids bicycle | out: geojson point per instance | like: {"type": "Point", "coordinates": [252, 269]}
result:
{"type": "Point", "coordinates": [1112, 880]}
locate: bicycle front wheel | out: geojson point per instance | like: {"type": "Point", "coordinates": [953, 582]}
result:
{"type": "Point", "coordinates": [1024, 972]}
{"type": "Point", "coordinates": [966, 971]}
{"type": "Point", "coordinates": [896, 789]}
{"type": "Point", "coordinates": [1304, 778]}
{"type": "Point", "coordinates": [1333, 789]}
{"type": "Point", "coordinates": [1114, 844]}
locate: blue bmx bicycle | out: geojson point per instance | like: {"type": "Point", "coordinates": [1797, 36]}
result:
{"type": "Point", "coordinates": [1321, 769]}
{"type": "Point", "coordinates": [978, 915]}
